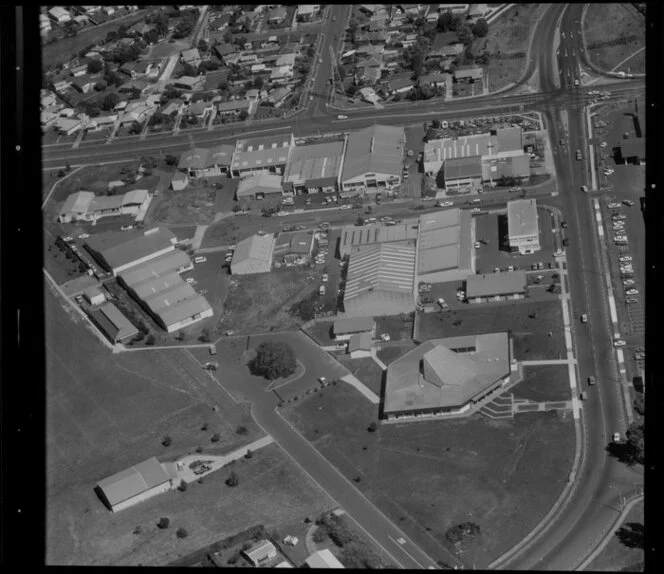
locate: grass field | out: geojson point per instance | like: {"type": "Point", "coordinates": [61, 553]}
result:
{"type": "Point", "coordinates": [322, 332]}
{"type": "Point", "coordinates": [263, 301]}
{"type": "Point", "coordinates": [507, 44]}
{"type": "Point", "coordinates": [106, 412]}
{"type": "Point", "coordinates": [603, 25]}
{"type": "Point", "coordinates": [618, 556]}
{"type": "Point", "coordinates": [530, 335]}
{"type": "Point", "coordinates": [271, 490]}
{"type": "Point", "coordinates": [194, 205]}
{"type": "Point", "coordinates": [367, 370]}
{"type": "Point", "coordinates": [389, 354]}
{"type": "Point", "coordinates": [429, 476]}
{"type": "Point", "coordinates": [544, 383]}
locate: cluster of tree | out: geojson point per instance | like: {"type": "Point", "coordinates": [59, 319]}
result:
{"type": "Point", "coordinates": [207, 66]}
{"type": "Point", "coordinates": [273, 361]}
{"type": "Point", "coordinates": [269, 211]}
{"type": "Point", "coordinates": [635, 445]}
{"type": "Point", "coordinates": [306, 308]}
{"type": "Point", "coordinates": [460, 531]}
{"type": "Point", "coordinates": [123, 54]}
{"type": "Point", "coordinates": [70, 29]}
{"type": "Point", "coordinates": [135, 128]}
{"type": "Point", "coordinates": [160, 21]}
{"type": "Point", "coordinates": [335, 527]}
{"type": "Point", "coordinates": [188, 70]}
{"type": "Point", "coordinates": [204, 337]}
{"type": "Point", "coordinates": [186, 24]}
{"type": "Point", "coordinates": [233, 479]}
{"type": "Point", "coordinates": [110, 101]}
{"type": "Point", "coordinates": [358, 555]}
{"type": "Point", "coordinates": [159, 119]}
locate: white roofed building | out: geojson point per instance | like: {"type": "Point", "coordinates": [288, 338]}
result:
{"type": "Point", "coordinates": [523, 227]}
{"type": "Point", "coordinates": [259, 186]}
{"type": "Point", "coordinates": [253, 255]}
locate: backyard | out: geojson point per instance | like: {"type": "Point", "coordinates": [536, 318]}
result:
{"type": "Point", "coordinates": [614, 32]}
{"type": "Point", "coordinates": [507, 44]}
{"type": "Point", "coordinates": [430, 475]}
{"type": "Point", "coordinates": [536, 327]}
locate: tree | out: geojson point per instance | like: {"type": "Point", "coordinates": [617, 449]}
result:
{"type": "Point", "coordinates": [232, 479]}
{"type": "Point", "coordinates": [259, 82]}
{"type": "Point", "coordinates": [150, 339]}
{"type": "Point", "coordinates": [216, 437]}
{"type": "Point", "coordinates": [248, 454]}
{"type": "Point", "coordinates": [95, 66]}
{"type": "Point", "coordinates": [100, 86]}
{"type": "Point", "coordinates": [273, 361]}
{"type": "Point", "coordinates": [163, 523]}
{"type": "Point", "coordinates": [319, 536]}
{"type": "Point", "coordinates": [181, 532]}
{"type": "Point", "coordinates": [444, 21]}
{"type": "Point", "coordinates": [372, 427]}
{"type": "Point", "coordinates": [241, 430]}
{"type": "Point", "coordinates": [110, 101]}
{"type": "Point", "coordinates": [465, 34]}
{"type": "Point", "coordinates": [632, 535]}
{"type": "Point", "coordinates": [228, 37]}
{"type": "Point", "coordinates": [166, 441]}
{"type": "Point", "coordinates": [205, 335]}
{"type": "Point", "coordinates": [223, 85]}
{"type": "Point", "coordinates": [135, 128]}
{"type": "Point", "coordinates": [634, 447]}
{"type": "Point", "coordinates": [203, 46]}
{"type": "Point", "coordinates": [182, 486]}
{"type": "Point", "coordinates": [188, 70]}
{"type": "Point", "coordinates": [481, 28]}
{"type": "Point", "coordinates": [243, 115]}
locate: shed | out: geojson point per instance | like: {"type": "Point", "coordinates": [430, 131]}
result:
{"type": "Point", "coordinates": [94, 295]}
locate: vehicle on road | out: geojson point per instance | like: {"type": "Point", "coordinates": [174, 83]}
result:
{"type": "Point", "coordinates": [619, 343]}
{"type": "Point", "coordinates": [342, 117]}
{"type": "Point", "coordinates": [346, 206]}
{"type": "Point", "coordinates": [445, 204]}
{"type": "Point", "coordinates": [322, 380]}
{"type": "Point", "coordinates": [320, 60]}
{"type": "Point", "coordinates": [591, 381]}
{"type": "Point", "coordinates": [603, 144]}
{"type": "Point", "coordinates": [126, 227]}
{"type": "Point", "coordinates": [200, 259]}
{"type": "Point", "coordinates": [629, 282]}
{"type": "Point", "coordinates": [496, 269]}
{"type": "Point", "coordinates": [510, 268]}
{"type": "Point", "coordinates": [84, 236]}
{"type": "Point", "coordinates": [515, 189]}
{"type": "Point", "coordinates": [584, 318]}
{"type": "Point", "coordinates": [583, 395]}
{"type": "Point", "coordinates": [632, 292]}
{"type": "Point", "coordinates": [608, 172]}
{"type": "Point", "coordinates": [322, 290]}
{"type": "Point", "coordinates": [334, 18]}
{"type": "Point", "coordinates": [584, 188]}
{"type": "Point", "coordinates": [578, 154]}
{"type": "Point", "coordinates": [563, 224]}
{"type": "Point", "coordinates": [324, 278]}
{"type": "Point", "coordinates": [401, 541]}
{"type": "Point", "coordinates": [190, 280]}
{"type": "Point", "coordinates": [616, 437]}
{"type": "Point", "coordinates": [410, 153]}
{"type": "Point", "coordinates": [576, 82]}
{"type": "Point", "coordinates": [614, 205]}
{"type": "Point", "coordinates": [561, 141]}
{"type": "Point", "coordinates": [628, 202]}
{"type": "Point", "coordinates": [477, 245]}
{"type": "Point", "coordinates": [475, 200]}
{"type": "Point", "coordinates": [625, 258]}
{"type": "Point", "coordinates": [631, 300]}
{"type": "Point", "coordinates": [228, 259]}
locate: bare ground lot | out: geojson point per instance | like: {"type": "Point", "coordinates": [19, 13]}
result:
{"type": "Point", "coordinates": [429, 476]}
{"type": "Point", "coordinates": [529, 323]}
{"type": "Point", "coordinates": [507, 44]}
{"type": "Point", "coordinates": [106, 412]}
{"type": "Point", "coordinates": [195, 204]}
{"type": "Point", "coordinates": [544, 383]}
{"type": "Point", "coordinates": [613, 32]}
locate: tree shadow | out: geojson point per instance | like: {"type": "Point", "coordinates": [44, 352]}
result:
{"type": "Point", "coordinates": [631, 535]}
{"type": "Point", "coordinates": [622, 452]}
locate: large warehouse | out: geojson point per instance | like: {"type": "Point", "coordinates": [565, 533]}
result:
{"type": "Point", "coordinates": [380, 281]}
{"type": "Point", "coordinates": [373, 160]}
{"type": "Point", "coordinates": [447, 376]}
{"type": "Point", "coordinates": [253, 255]}
{"type": "Point", "coordinates": [314, 168]}
{"type": "Point", "coordinates": [463, 172]}
{"type": "Point", "coordinates": [257, 155]}
{"type": "Point", "coordinates": [353, 237]}
{"type": "Point", "coordinates": [117, 251]}
{"type": "Point", "coordinates": [522, 226]}
{"type": "Point", "coordinates": [134, 485]}
{"type": "Point", "coordinates": [157, 285]}
{"type": "Point", "coordinates": [444, 246]}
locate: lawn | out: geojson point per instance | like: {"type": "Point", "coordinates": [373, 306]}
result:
{"type": "Point", "coordinates": [507, 44]}
{"type": "Point", "coordinates": [390, 354]}
{"type": "Point", "coordinates": [430, 475]}
{"type": "Point", "coordinates": [271, 490]}
{"type": "Point", "coordinates": [62, 50]}
{"type": "Point", "coordinates": [544, 383]}
{"type": "Point", "coordinates": [263, 301]}
{"type": "Point", "coordinates": [322, 332]}
{"type": "Point", "coordinates": [612, 33]}
{"type": "Point", "coordinates": [620, 556]}
{"type": "Point", "coordinates": [367, 370]}
{"type": "Point", "coordinates": [398, 327]}
{"type": "Point", "coordinates": [194, 205]}
{"type": "Point", "coordinates": [225, 195]}
{"type": "Point", "coordinates": [529, 323]}
{"type": "Point", "coordinates": [135, 398]}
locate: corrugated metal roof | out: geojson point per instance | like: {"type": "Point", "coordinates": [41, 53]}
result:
{"type": "Point", "coordinates": [522, 218]}
{"type": "Point", "coordinates": [154, 285]}
{"type": "Point", "coordinates": [172, 295]}
{"type": "Point", "coordinates": [133, 481]}
{"type": "Point", "coordinates": [123, 326]}
{"type": "Point", "coordinates": [360, 341]}
{"type": "Point", "coordinates": [261, 550]}
{"type": "Point", "coordinates": [509, 139]}
{"type": "Point", "coordinates": [162, 265]}
{"type": "Point", "coordinates": [77, 202]}
{"type": "Point", "coordinates": [137, 196]}
{"type": "Point", "coordinates": [323, 559]}
{"type": "Point", "coordinates": [352, 236]}
{"type": "Point", "coordinates": [314, 162]}
{"type": "Point", "coordinates": [382, 267]}
{"type": "Point", "coordinates": [103, 203]}
{"type": "Point", "coordinates": [444, 241]}
{"type": "Point", "coordinates": [256, 247]}
{"type": "Point", "coordinates": [259, 183]}
{"type": "Point", "coordinates": [376, 149]}
{"type": "Point", "coordinates": [353, 325]}
{"type": "Point", "coordinates": [184, 309]}
{"type": "Point", "coordinates": [462, 167]}
{"type": "Point", "coordinates": [489, 284]}
{"type": "Point", "coordinates": [121, 248]}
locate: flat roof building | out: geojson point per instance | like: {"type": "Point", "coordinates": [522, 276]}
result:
{"type": "Point", "coordinates": [447, 376]}
{"type": "Point", "coordinates": [444, 246]}
{"type": "Point", "coordinates": [253, 255]}
{"type": "Point", "coordinates": [522, 224]}
{"type": "Point", "coordinates": [353, 237]}
{"type": "Point", "coordinates": [373, 158]}
{"type": "Point", "coordinates": [496, 286]}
{"type": "Point", "coordinates": [134, 485]}
{"type": "Point", "coordinates": [463, 172]}
{"type": "Point", "coordinates": [314, 168]}
{"type": "Point", "coordinates": [323, 559]}
{"type": "Point", "coordinates": [380, 281]}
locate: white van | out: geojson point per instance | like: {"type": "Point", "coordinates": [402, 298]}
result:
{"type": "Point", "coordinates": [200, 259]}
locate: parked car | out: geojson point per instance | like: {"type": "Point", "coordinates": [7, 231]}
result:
{"type": "Point", "coordinates": [628, 202]}
{"type": "Point", "coordinates": [632, 292]}
{"type": "Point", "coordinates": [84, 236]}
{"type": "Point", "coordinates": [496, 269]}
{"type": "Point", "coordinates": [608, 172]}
{"type": "Point", "coordinates": [584, 318]}
{"type": "Point", "coordinates": [631, 300]}
{"type": "Point", "coordinates": [385, 337]}
{"type": "Point", "coordinates": [625, 258]}
{"type": "Point", "coordinates": [324, 278]}
{"type": "Point", "coordinates": [591, 381]}
{"type": "Point", "coordinates": [584, 188]}
{"type": "Point", "coordinates": [477, 245]}
{"type": "Point", "coordinates": [613, 205]}
{"type": "Point", "coordinates": [563, 224]}
{"type": "Point", "coordinates": [578, 155]}
{"type": "Point", "coordinates": [189, 280]}
{"type": "Point", "coordinates": [629, 282]}
{"type": "Point", "coordinates": [126, 227]}
{"type": "Point", "coordinates": [475, 210]}
{"type": "Point", "coordinates": [445, 204]}
{"type": "Point", "coordinates": [322, 290]}
{"type": "Point", "coordinates": [200, 259]}
{"type": "Point", "coordinates": [515, 189]}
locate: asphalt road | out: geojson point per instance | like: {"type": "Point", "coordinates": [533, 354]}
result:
{"type": "Point", "coordinates": [602, 479]}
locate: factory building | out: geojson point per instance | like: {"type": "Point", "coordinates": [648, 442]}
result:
{"type": "Point", "coordinates": [314, 168]}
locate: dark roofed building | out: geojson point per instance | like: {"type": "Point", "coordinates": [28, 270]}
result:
{"type": "Point", "coordinates": [463, 171]}
{"type": "Point", "coordinates": [633, 150]}
{"type": "Point", "coordinates": [113, 323]}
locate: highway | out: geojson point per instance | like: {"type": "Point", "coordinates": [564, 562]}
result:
{"type": "Point", "coordinates": [601, 479]}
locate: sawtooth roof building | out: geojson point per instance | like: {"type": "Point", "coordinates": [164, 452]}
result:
{"type": "Point", "coordinates": [444, 246]}
{"type": "Point", "coordinates": [118, 251]}
{"type": "Point", "coordinates": [207, 162]}
{"type": "Point", "coordinates": [380, 281]}
{"type": "Point", "coordinates": [373, 159]}
{"type": "Point", "coordinates": [353, 237]}
{"type": "Point", "coordinates": [314, 168]}
{"type": "Point", "coordinates": [134, 485]}
{"type": "Point", "coordinates": [253, 255]}
{"type": "Point", "coordinates": [257, 155]}
{"type": "Point", "coordinates": [447, 376]}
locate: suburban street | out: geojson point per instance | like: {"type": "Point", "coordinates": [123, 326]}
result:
{"type": "Point", "coordinates": [601, 481]}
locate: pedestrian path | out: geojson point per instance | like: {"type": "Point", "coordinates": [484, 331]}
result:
{"type": "Point", "coordinates": [360, 386]}
{"type": "Point", "coordinates": [549, 362]}
{"type": "Point", "coordinates": [198, 236]}
{"type": "Point", "coordinates": [180, 470]}
{"type": "Point", "coordinates": [374, 356]}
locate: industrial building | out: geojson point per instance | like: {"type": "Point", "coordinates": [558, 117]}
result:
{"type": "Point", "coordinates": [117, 251]}
{"type": "Point", "coordinates": [463, 172]}
{"type": "Point", "coordinates": [134, 485]}
{"type": "Point", "coordinates": [344, 329]}
{"type": "Point", "coordinates": [444, 246]}
{"type": "Point", "coordinates": [380, 281]}
{"type": "Point", "coordinates": [353, 237]}
{"type": "Point", "coordinates": [85, 206]}
{"type": "Point", "coordinates": [373, 160]}
{"type": "Point", "coordinates": [501, 286]}
{"type": "Point", "coordinates": [267, 154]}
{"type": "Point", "coordinates": [207, 162]}
{"type": "Point", "coordinates": [447, 376]}
{"type": "Point", "coordinates": [323, 559]}
{"type": "Point", "coordinates": [314, 168]}
{"type": "Point", "coordinates": [259, 186]}
{"type": "Point", "coordinates": [94, 295]}
{"type": "Point", "coordinates": [523, 227]}
{"type": "Point", "coordinates": [517, 167]}
{"type": "Point", "coordinates": [113, 323]}
{"type": "Point", "coordinates": [253, 255]}
{"type": "Point", "coordinates": [632, 150]}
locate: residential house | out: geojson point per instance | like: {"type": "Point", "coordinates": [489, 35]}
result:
{"type": "Point", "coordinates": [44, 24]}
{"type": "Point", "coordinates": [91, 10]}
{"type": "Point", "coordinates": [277, 15]}
{"type": "Point", "coordinates": [400, 84]}
{"type": "Point", "coordinates": [256, 68]}
{"type": "Point", "coordinates": [81, 20]}
{"type": "Point", "coordinates": [281, 75]}
{"type": "Point", "coordinates": [179, 181]}
{"type": "Point", "coordinates": [59, 15]}
{"type": "Point", "coordinates": [189, 82]}
{"type": "Point", "coordinates": [77, 71]}
{"type": "Point", "coordinates": [477, 11]}
{"type": "Point", "coordinates": [136, 70]}
{"type": "Point", "coordinates": [453, 8]}
{"type": "Point", "coordinates": [369, 95]}
{"type": "Point", "coordinates": [171, 108]}
{"type": "Point", "coordinates": [277, 96]}
{"type": "Point", "coordinates": [305, 12]}
{"type": "Point", "coordinates": [286, 60]}
{"type": "Point", "coordinates": [67, 126]}
{"type": "Point", "coordinates": [101, 122]}
{"type": "Point", "coordinates": [370, 74]}
{"type": "Point", "coordinates": [232, 108]}
{"type": "Point", "coordinates": [141, 85]}
{"type": "Point", "coordinates": [434, 80]}
{"type": "Point", "coordinates": [61, 86]}
{"type": "Point", "coordinates": [468, 73]}
{"type": "Point", "coordinates": [48, 118]}
{"type": "Point", "coordinates": [252, 95]}
{"type": "Point", "coordinates": [200, 109]}
{"type": "Point", "coordinates": [83, 84]}
{"type": "Point", "coordinates": [224, 50]}
{"type": "Point", "coordinates": [47, 99]}
{"type": "Point", "coordinates": [138, 113]}
{"type": "Point", "coordinates": [191, 57]}
{"type": "Point", "coordinates": [375, 50]}
{"type": "Point", "coordinates": [409, 40]}
{"type": "Point", "coordinates": [109, 10]}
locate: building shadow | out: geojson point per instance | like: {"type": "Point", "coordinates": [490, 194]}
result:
{"type": "Point", "coordinates": [503, 234]}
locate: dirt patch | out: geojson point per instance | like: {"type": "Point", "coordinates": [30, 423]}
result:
{"type": "Point", "coordinates": [613, 32]}
{"type": "Point", "coordinates": [195, 204]}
